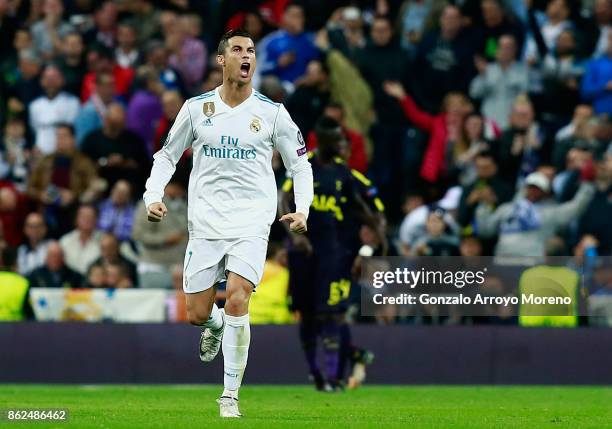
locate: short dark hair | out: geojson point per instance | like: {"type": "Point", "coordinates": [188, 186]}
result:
{"type": "Point", "coordinates": [103, 51]}
{"type": "Point", "coordinates": [122, 267]}
{"type": "Point", "coordinates": [471, 237]}
{"type": "Point", "coordinates": [326, 124]}
{"type": "Point", "coordinates": [73, 33]}
{"type": "Point", "coordinates": [127, 23]}
{"type": "Point", "coordinates": [486, 153]}
{"type": "Point", "coordinates": [15, 119]}
{"type": "Point", "coordinates": [334, 105]}
{"type": "Point", "coordinates": [497, 2]}
{"type": "Point", "coordinates": [323, 65]}
{"type": "Point", "coordinates": [67, 126]}
{"type": "Point", "coordinates": [93, 266]}
{"type": "Point", "coordinates": [327, 130]}
{"type": "Point", "coordinates": [382, 17]}
{"type": "Point", "coordinates": [153, 45]}
{"type": "Point", "coordinates": [85, 206]}
{"type": "Point", "coordinates": [224, 42]}
{"type": "Point", "coordinates": [8, 258]}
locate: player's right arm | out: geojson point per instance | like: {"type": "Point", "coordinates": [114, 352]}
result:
{"type": "Point", "coordinates": [179, 139]}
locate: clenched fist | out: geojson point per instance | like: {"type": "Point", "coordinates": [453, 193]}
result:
{"type": "Point", "coordinates": [297, 222]}
{"type": "Point", "coordinates": [156, 212]}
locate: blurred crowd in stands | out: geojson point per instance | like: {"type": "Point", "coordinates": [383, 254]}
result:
{"type": "Point", "coordinates": [484, 124]}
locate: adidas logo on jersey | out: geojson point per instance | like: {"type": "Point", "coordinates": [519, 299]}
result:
{"type": "Point", "coordinates": [208, 122]}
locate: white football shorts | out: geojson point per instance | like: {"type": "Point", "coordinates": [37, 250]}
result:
{"type": "Point", "coordinates": [207, 261]}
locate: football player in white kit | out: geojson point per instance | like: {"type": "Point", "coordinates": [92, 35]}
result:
{"type": "Point", "coordinates": [232, 198]}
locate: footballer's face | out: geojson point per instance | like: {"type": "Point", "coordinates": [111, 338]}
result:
{"type": "Point", "coordinates": [239, 60]}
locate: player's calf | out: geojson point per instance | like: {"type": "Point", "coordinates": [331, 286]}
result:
{"type": "Point", "coordinates": [204, 313]}
{"type": "Point", "coordinates": [200, 306]}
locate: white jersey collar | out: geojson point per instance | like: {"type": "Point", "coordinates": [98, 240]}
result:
{"type": "Point", "coordinates": [226, 107]}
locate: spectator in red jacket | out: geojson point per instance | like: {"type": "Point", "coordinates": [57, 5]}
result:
{"type": "Point", "coordinates": [358, 159]}
{"type": "Point", "coordinates": [102, 60]}
{"type": "Point", "coordinates": [443, 128]}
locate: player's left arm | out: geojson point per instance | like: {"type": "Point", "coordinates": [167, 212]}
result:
{"type": "Point", "coordinates": [285, 205]}
{"type": "Point", "coordinates": [289, 142]}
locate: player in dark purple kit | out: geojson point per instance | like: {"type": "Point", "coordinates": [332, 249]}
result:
{"type": "Point", "coordinates": [319, 281]}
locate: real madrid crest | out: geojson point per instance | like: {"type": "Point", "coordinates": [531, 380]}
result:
{"type": "Point", "coordinates": [209, 108]}
{"type": "Point", "coordinates": [255, 125]}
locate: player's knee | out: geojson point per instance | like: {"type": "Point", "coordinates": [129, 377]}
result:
{"type": "Point", "coordinates": [197, 316]}
{"type": "Point", "coordinates": [237, 304]}
{"type": "Point", "coordinates": [238, 294]}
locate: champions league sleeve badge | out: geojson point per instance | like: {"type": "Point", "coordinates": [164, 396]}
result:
{"type": "Point", "coordinates": [301, 151]}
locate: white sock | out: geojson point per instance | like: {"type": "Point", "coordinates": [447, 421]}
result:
{"type": "Point", "coordinates": [215, 321]}
{"type": "Point", "coordinates": [236, 340]}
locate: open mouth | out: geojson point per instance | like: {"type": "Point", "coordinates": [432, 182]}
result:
{"type": "Point", "coordinates": [244, 69]}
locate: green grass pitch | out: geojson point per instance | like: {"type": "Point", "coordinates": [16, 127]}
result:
{"type": "Point", "coordinates": [194, 407]}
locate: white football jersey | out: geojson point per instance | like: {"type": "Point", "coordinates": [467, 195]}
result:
{"type": "Point", "coordinates": [232, 190]}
